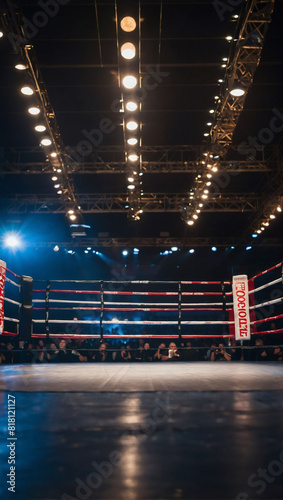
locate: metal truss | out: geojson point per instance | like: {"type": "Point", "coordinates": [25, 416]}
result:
{"type": "Point", "coordinates": [243, 61]}
{"type": "Point", "coordinates": [164, 243]}
{"type": "Point", "coordinates": [118, 203]}
{"type": "Point", "coordinates": [13, 21]}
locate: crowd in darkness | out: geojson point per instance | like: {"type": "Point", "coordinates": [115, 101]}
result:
{"type": "Point", "coordinates": [139, 350]}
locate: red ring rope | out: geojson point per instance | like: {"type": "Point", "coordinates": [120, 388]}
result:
{"type": "Point", "coordinates": [14, 274]}
{"type": "Point", "coordinates": [267, 271]}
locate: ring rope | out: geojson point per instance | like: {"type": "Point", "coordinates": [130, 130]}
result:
{"type": "Point", "coordinates": [11, 272]}
{"type": "Point", "coordinates": [264, 272]}
{"type": "Point", "coordinates": [124, 309]}
{"type": "Point", "coordinates": [129, 303]}
{"type": "Point", "coordinates": [12, 301]}
{"type": "Point", "coordinates": [126, 322]}
{"type": "Point", "coordinates": [97, 292]}
{"type": "Point", "coordinates": [273, 318]}
{"type": "Point", "coordinates": [11, 319]}
{"type": "Point", "coordinates": [63, 336]}
{"type": "Point", "coordinates": [12, 282]}
{"type": "Point", "coordinates": [278, 280]}
{"type": "Point", "coordinates": [269, 302]}
{"type": "Point", "coordinates": [143, 282]}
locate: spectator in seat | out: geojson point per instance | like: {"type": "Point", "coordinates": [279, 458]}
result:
{"type": "Point", "coordinates": [277, 354]}
{"type": "Point", "coordinates": [161, 351]}
{"type": "Point", "coordinates": [260, 354]}
{"type": "Point", "coordinates": [220, 354]}
{"type": "Point", "coordinates": [147, 354]}
{"type": "Point", "coordinates": [172, 354]}
{"type": "Point", "coordinates": [189, 354]}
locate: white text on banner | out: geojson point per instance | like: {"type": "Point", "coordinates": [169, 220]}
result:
{"type": "Point", "coordinates": [2, 287]}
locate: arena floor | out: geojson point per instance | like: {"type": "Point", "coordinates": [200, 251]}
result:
{"type": "Point", "coordinates": [145, 431]}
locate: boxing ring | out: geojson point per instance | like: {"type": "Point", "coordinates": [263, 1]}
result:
{"type": "Point", "coordinates": [144, 431]}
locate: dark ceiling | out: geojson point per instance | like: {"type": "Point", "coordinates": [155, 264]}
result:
{"type": "Point", "coordinates": [77, 54]}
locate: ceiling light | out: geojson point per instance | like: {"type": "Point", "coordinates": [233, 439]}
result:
{"type": "Point", "coordinates": [128, 50]}
{"type": "Point", "coordinates": [54, 156]}
{"type": "Point", "coordinates": [204, 196]}
{"type": "Point", "coordinates": [59, 170]}
{"type": "Point", "coordinates": [220, 80]}
{"type": "Point", "coordinates": [174, 249]}
{"type": "Point", "coordinates": [71, 212]}
{"type": "Point", "coordinates": [265, 224]}
{"type": "Point", "coordinates": [200, 205]}
{"type": "Point", "coordinates": [128, 24]}
{"type": "Point", "coordinates": [131, 179]}
{"type": "Point", "coordinates": [133, 157]}
{"type": "Point", "coordinates": [125, 253]}
{"type": "Point", "coordinates": [129, 82]}
{"type": "Point", "coordinates": [208, 183]}
{"type": "Point", "coordinates": [206, 134]}
{"type": "Point", "coordinates": [224, 59]}
{"type": "Point", "coordinates": [55, 178]}
{"type": "Point", "coordinates": [40, 128]}
{"type": "Point", "coordinates": [190, 222]}
{"type": "Point", "coordinates": [136, 251]}
{"type": "Point", "coordinates": [26, 91]}
{"type": "Point", "coordinates": [258, 231]}
{"type": "Point", "coordinates": [34, 111]}
{"type": "Point", "coordinates": [254, 235]}
{"type": "Point", "coordinates": [195, 216]}
{"type": "Point", "coordinates": [248, 248]}
{"type": "Point", "coordinates": [60, 191]}
{"type": "Point", "coordinates": [132, 141]}
{"type": "Point", "coordinates": [198, 211]}
{"type": "Point", "coordinates": [209, 124]}
{"type": "Point", "coordinates": [206, 191]}
{"type": "Point", "coordinates": [131, 187]}
{"type": "Point", "coordinates": [131, 106]}
{"type": "Point", "coordinates": [272, 216]}
{"type": "Point", "coordinates": [211, 111]}
{"type": "Point", "coordinates": [132, 125]}
{"type": "Point", "coordinates": [73, 217]}
{"type": "Point", "coordinates": [46, 142]}
{"type": "Point", "coordinates": [192, 250]}
{"type": "Point", "coordinates": [214, 169]}
{"type": "Point", "coordinates": [214, 249]}
{"type": "Point", "coordinates": [229, 38]}
{"type": "Point", "coordinates": [20, 67]}
{"type": "Point", "coordinates": [237, 91]}
{"type": "Point", "coordinates": [12, 240]}
{"type": "Point", "coordinates": [279, 209]}
{"type": "Point", "coordinates": [56, 248]}
{"type": "Point", "coordinates": [209, 176]}
{"type": "Point", "coordinates": [56, 186]}
{"type": "Point", "coordinates": [216, 97]}
{"type": "Point", "coordinates": [1, 34]}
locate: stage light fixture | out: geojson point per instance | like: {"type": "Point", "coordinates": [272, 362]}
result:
{"type": "Point", "coordinates": [46, 142]}
{"type": "Point", "coordinates": [131, 179]}
{"type": "Point", "coordinates": [60, 191]}
{"type": "Point", "coordinates": [128, 24]}
{"type": "Point", "coordinates": [56, 186]}
{"type": "Point", "coordinates": [54, 156]}
{"type": "Point", "coordinates": [130, 82]}
{"type": "Point", "coordinates": [125, 253]}
{"type": "Point", "coordinates": [254, 235]}
{"type": "Point", "coordinates": [136, 251]}
{"type": "Point", "coordinates": [131, 187]}
{"type": "Point", "coordinates": [131, 106]}
{"type": "Point", "coordinates": [133, 157]}
{"type": "Point", "coordinates": [272, 216]}
{"type": "Point", "coordinates": [204, 196]}
{"type": "Point", "coordinates": [73, 217]}
{"type": "Point", "coordinates": [214, 249]}
{"type": "Point", "coordinates": [56, 248]}
{"type": "Point", "coordinates": [26, 90]}
{"type": "Point", "coordinates": [54, 178]}
{"type": "Point", "coordinates": [132, 125]}
{"type": "Point", "coordinates": [40, 128]}
{"type": "Point", "coordinates": [190, 222]}
{"type": "Point", "coordinates": [12, 240]}
{"type": "Point", "coordinates": [229, 38]}
{"type": "Point", "coordinates": [174, 249]}
{"type": "Point", "coordinates": [279, 208]}
{"type": "Point", "coordinates": [128, 50]}
{"type": "Point", "coordinates": [192, 250]}
{"type": "Point", "coordinates": [237, 90]}
{"type": "Point", "coordinates": [34, 111]}
{"type": "Point", "coordinates": [248, 248]}
{"type": "Point", "coordinates": [209, 124]}
{"type": "Point", "coordinates": [206, 134]}
{"type": "Point", "coordinates": [132, 141]}
{"type": "Point", "coordinates": [211, 111]}
{"type": "Point", "coordinates": [21, 67]}
{"type": "Point", "coordinates": [1, 34]}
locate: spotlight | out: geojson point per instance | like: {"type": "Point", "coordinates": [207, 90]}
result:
{"type": "Point", "coordinates": [130, 82]}
{"type": "Point", "coordinates": [229, 38]}
{"type": "Point", "coordinates": [132, 125]}
{"type": "Point", "coordinates": [214, 169]}
{"type": "Point", "coordinates": [131, 187]}
{"type": "Point", "coordinates": [192, 250]}
{"type": "Point", "coordinates": [86, 251]}
{"type": "Point", "coordinates": [40, 128]}
{"type": "Point", "coordinates": [1, 34]}
{"type": "Point", "coordinates": [248, 248]}
{"type": "Point", "coordinates": [26, 90]}
{"type": "Point", "coordinates": [279, 208]}
{"type": "Point", "coordinates": [54, 178]}
{"type": "Point", "coordinates": [209, 124]}
{"type": "Point", "coordinates": [136, 251]}
{"type": "Point", "coordinates": [71, 252]}
{"type": "Point", "coordinates": [272, 216]}
{"type": "Point", "coordinates": [128, 50]}
{"type": "Point", "coordinates": [237, 90]}
{"type": "Point", "coordinates": [232, 248]}
{"type": "Point", "coordinates": [195, 216]}
{"type": "Point", "coordinates": [20, 67]}
{"type": "Point", "coordinates": [254, 235]}
{"type": "Point", "coordinates": [125, 253]}
{"type": "Point", "coordinates": [206, 134]}
{"type": "Point", "coordinates": [60, 191]}
{"type": "Point", "coordinates": [190, 222]}
{"type": "Point", "coordinates": [56, 186]}
{"type": "Point", "coordinates": [131, 179]}
{"type": "Point", "coordinates": [73, 217]}
{"type": "Point", "coordinates": [88, 248]}
{"type": "Point", "coordinates": [56, 248]}
{"type": "Point", "coordinates": [128, 24]}
{"type": "Point", "coordinates": [46, 142]}
{"type": "Point", "coordinates": [174, 249]}
{"type": "Point", "coordinates": [214, 249]}
{"type": "Point", "coordinates": [34, 111]}
{"type": "Point", "coordinates": [211, 111]}
{"type": "Point", "coordinates": [132, 141]}
{"type": "Point", "coordinates": [71, 212]}
{"type": "Point", "coordinates": [54, 156]}
{"type": "Point", "coordinates": [131, 106]}
{"type": "Point", "coordinates": [12, 240]}
{"type": "Point", "coordinates": [204, 196]}
{"type": "Point", "coordinates": [258, 231]}
{"type": "Point", "coordinates": [133, 157]}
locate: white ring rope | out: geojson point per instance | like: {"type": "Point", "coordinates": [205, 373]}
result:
{"type": "Point", "coordinates": [269, 302]}
{"type": "Point", "coordinates": [278, 280]}
{"type": "Point", "coordinates": [134, 304]}
{"type": "Point", "coordinates": [12, 301]}
{"type": "Point", "coordinates": [12, 282]}
{"type": "Point", "coordinates": [11, 319]}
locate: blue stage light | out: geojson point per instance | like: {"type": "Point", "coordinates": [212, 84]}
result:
{"type": "Point", "coordinates": [125, 253]}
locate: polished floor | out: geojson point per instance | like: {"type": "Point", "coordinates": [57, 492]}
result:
{"type": "Point", "coordinates": [115, 432]}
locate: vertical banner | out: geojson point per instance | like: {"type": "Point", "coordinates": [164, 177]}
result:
{"type": "Point", "coordinates": [241, 307]}
{"type": "Point", "coordinates": [2, 287]}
